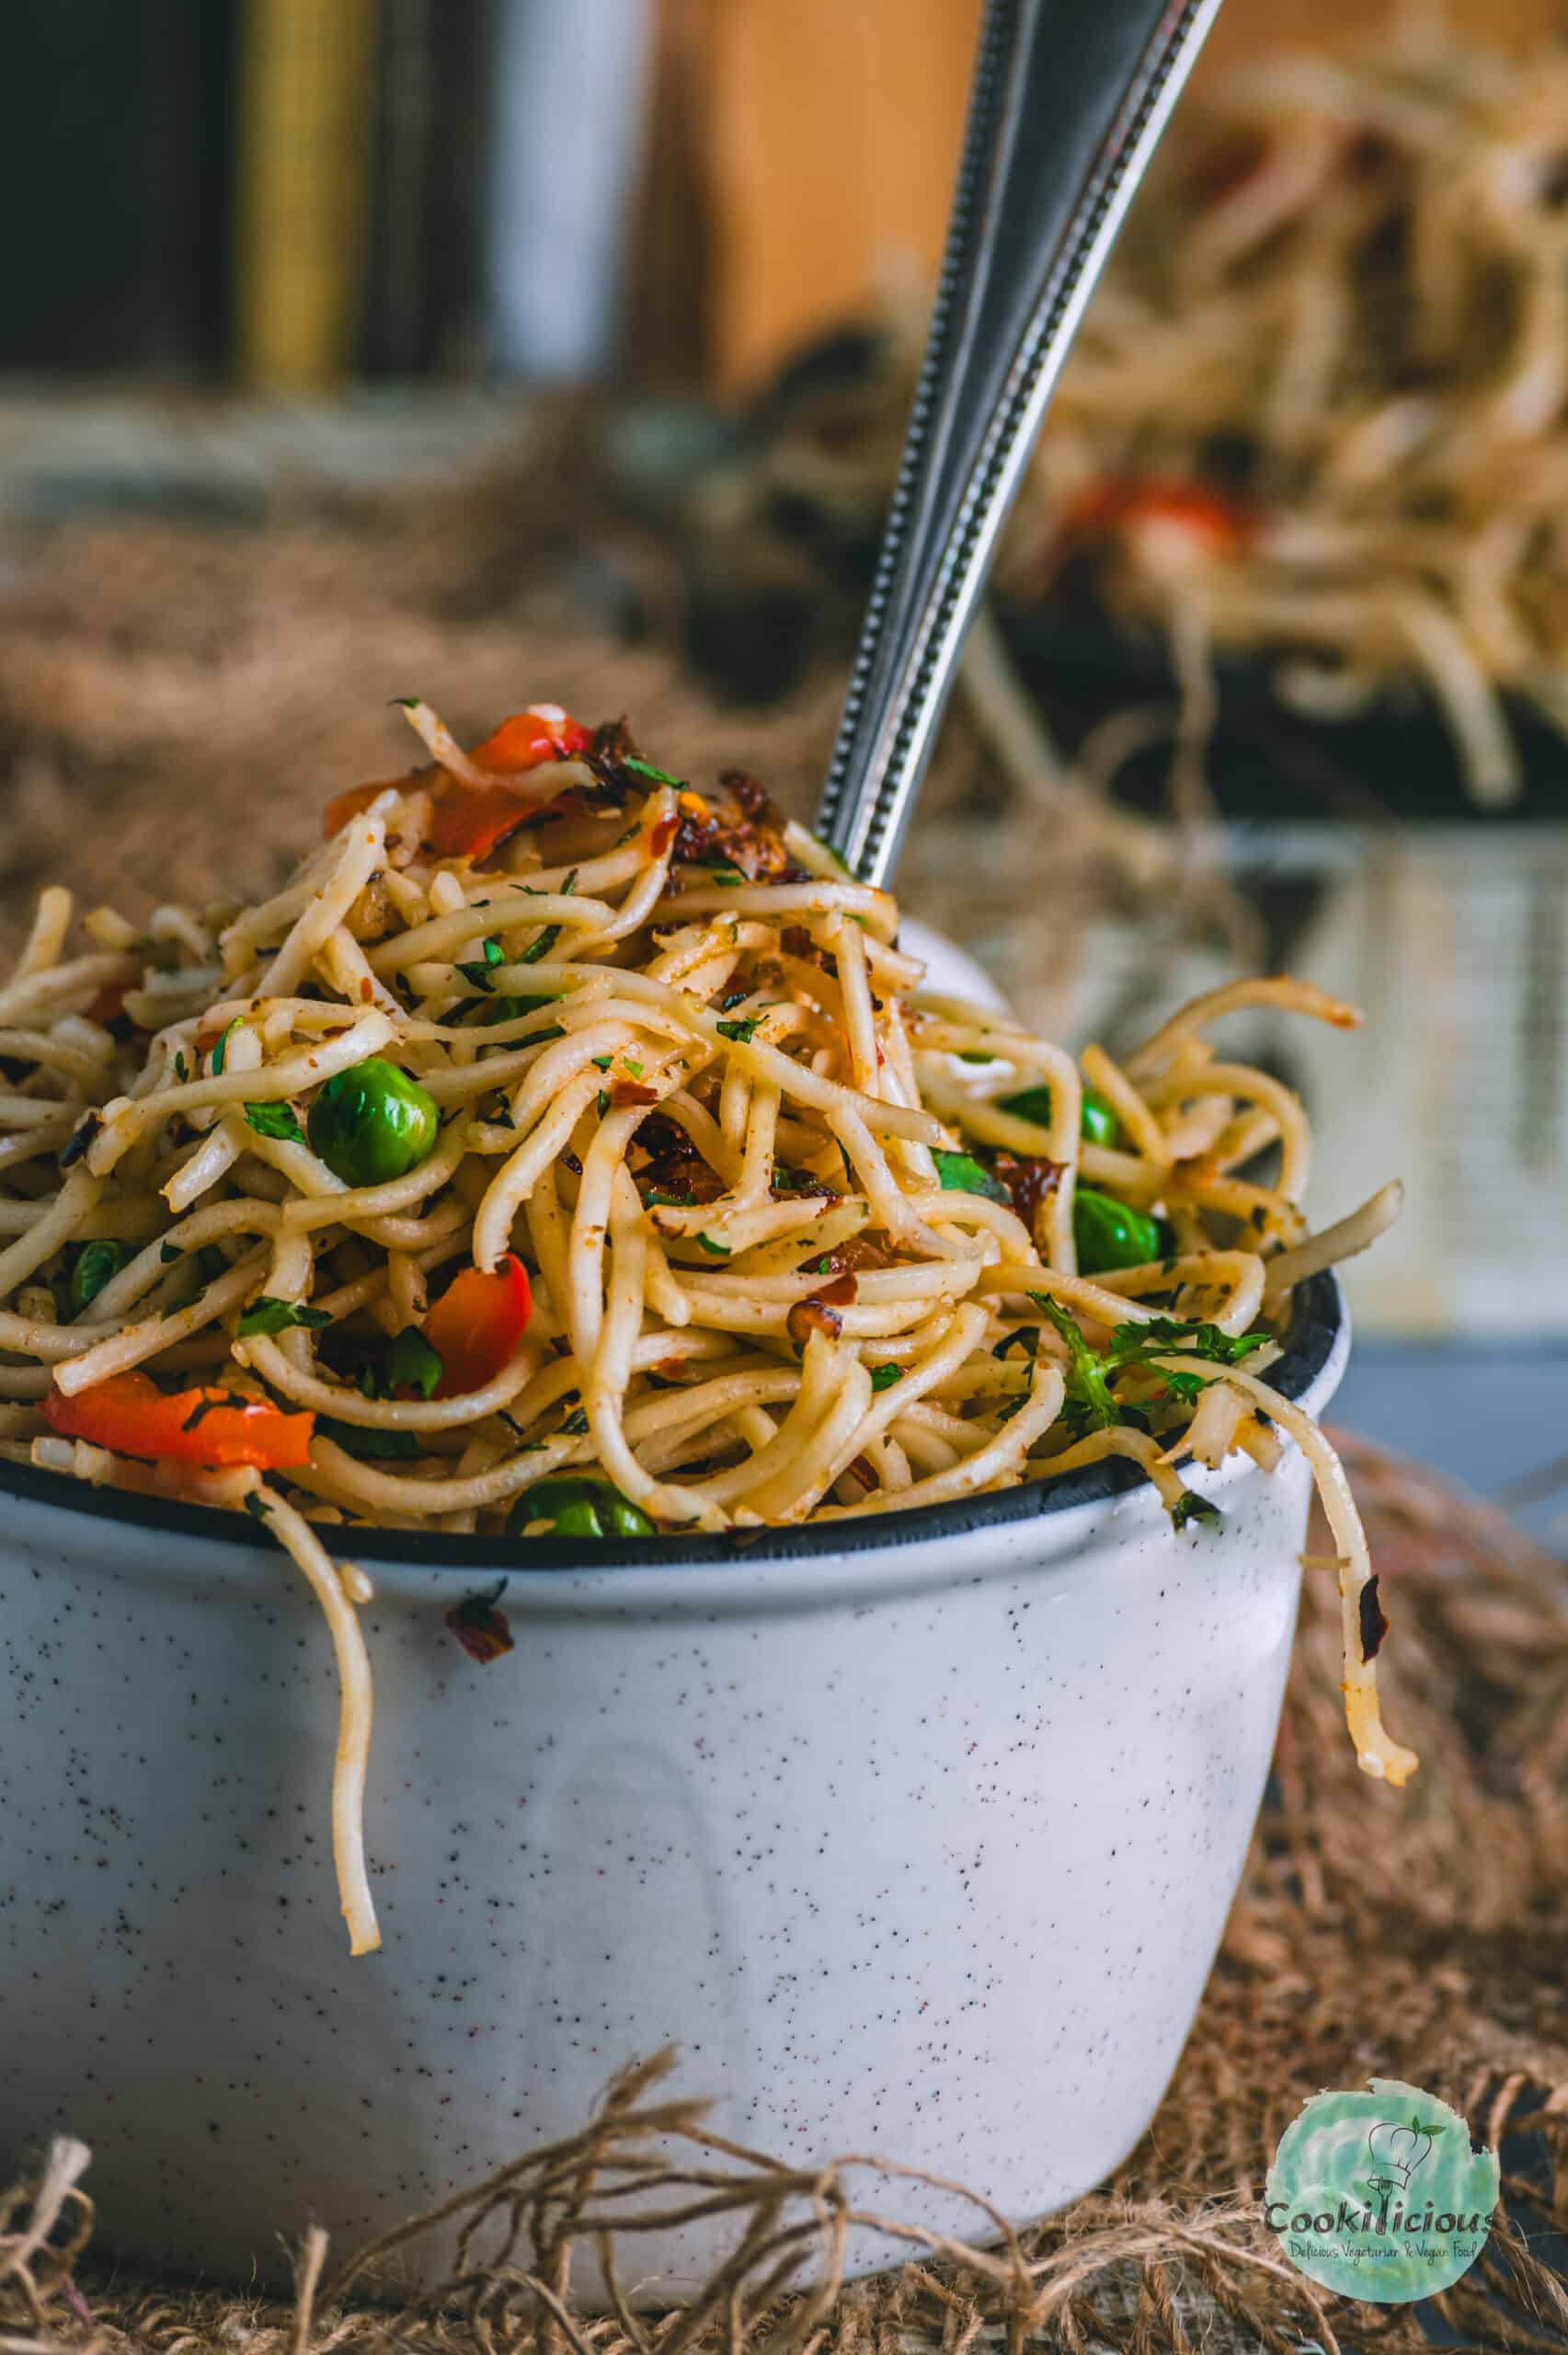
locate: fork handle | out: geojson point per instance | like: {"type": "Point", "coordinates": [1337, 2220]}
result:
{"type": "Point", "coordinates": [1069, 100]}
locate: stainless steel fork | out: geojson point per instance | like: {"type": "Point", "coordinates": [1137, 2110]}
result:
{"type": "Point", "coordinates": [1069, 101]}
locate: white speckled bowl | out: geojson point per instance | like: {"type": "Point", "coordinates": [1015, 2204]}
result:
{"type": "Point", "coordinates": [916, 1835]}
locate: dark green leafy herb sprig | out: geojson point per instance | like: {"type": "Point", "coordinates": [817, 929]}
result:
{"type": "Point", "coordinates": [1092, 1403]}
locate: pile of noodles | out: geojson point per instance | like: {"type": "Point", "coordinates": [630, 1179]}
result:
{"type": "Point", "coordinates": [685, 1073]}
{"type": "Point", "coordinates": [1317, 416]}
{"type": "Point", "coordinates": [1347, 330]}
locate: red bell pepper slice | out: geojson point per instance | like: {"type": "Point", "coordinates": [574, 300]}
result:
{"type": "Point", "coordinates": [471, 821]}
{"type": "Point", "coordinates": [543, 732]}
{"type": "Point", "coordinates": [477, 1323]}
{"type": "Point", "coordinates": [205, 1425]}
{"type": "Point", "coordinates": [344, 806]}
{"type": "Point", "coordinates": [1217, 523]}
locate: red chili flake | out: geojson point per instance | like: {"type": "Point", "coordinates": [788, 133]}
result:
{"type": "Point", "coordinates": [1374, 1625]}
{"type": "Point", "coordinates": [819, 1313]}
{"type": "Point", "coordinates": [863, 1472]}
{"type": "Point", "coordinates": [108, 1004]}
{"type": "Point", "coordinates": [752, 799]}
{"type": "Point", "coordinates": [630, 1091]}
{"type": "Point", "coordinates": [1030, 1180]}
{"type": "Point", "coordinates": [675, 1166]}
{"type": "Point", "coordinates": [737, 837]}
{"type": "Point", "coordinates": [860, 1252]}
{"type": "Point", "coordinates": [663, 834]}
{"type": "Point", "coordinates": [795, 941]}
{"type": "Point", "coordinates": [480, 1627]}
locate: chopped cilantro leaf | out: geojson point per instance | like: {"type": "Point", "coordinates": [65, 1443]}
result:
{"type": "Point", "coordinates": [740, 1031]}
{"type": "Point", "coordinates": [266, 1315]}
{"type": "Point", "coordinates": [96, 1264]}
{"type": "Point", "coordinates": [1168, 1334]}
{"type": "Point", "coordinates": [220, 1052]}
{"type": "Point", "coordinates": [1088, 1383]}
{"type": "Point", "coordinates": [960, 1173]}
{"type": "Point", "coordinates": [407, 1363]}
{"type": "Point", "coordinates": [1190, 1507]}
{"type": "Point", "coordinates": [647, 768]}
{"type": "Point", "coordinates": [512, 1009]}
{"type": "Point", "coordinates": [361, 1440]}
{"type": "Point", "coordinates": [882, 1377]}
{"type": "Point", "coordinates": [274, 1120]}
{"type": "Point", "coordinates": [541, 947]}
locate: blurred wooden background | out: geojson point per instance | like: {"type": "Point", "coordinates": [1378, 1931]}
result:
{"type": "Point", "coordinates": [832, 129]}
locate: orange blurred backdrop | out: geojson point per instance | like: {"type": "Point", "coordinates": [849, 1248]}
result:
{"type": "Point", "coordinates": [831, 131]}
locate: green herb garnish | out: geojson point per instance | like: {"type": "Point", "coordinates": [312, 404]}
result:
{"type": "Point", "coordinates": [960, 1173]}
{"type": "Point", "coordinates": [96, 1263]}
{"type": "Point", "coordinates": [538, 949]}
{"type": "Point", "coordinates": [407, 1363]}
{"type": "Point", "coordinates": [361, 1440]}
{"type": "Point", "coordinates": [220, 1052]}
{"type": "Point", "coordinates": [268, 1315]}
{"type": "Point", "coordinates": [1137, 1348]}
{"type": "Point", "coordinates": [275, 1120]}
{"type": "Point", "coordinates": [1190, 1507]}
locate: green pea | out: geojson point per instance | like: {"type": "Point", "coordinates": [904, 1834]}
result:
{"type": "Point", "coordinates": [580, 1520]}
{"type": "Point", "coordinates": [372, 1123]}
{"type": "Point", "coordinates": [579, 1506]}
{"type": "Point", "coordinates": [96, 1263]}
{"type": "Point", "coordinates": [1097, 1121]}
{"type": "Point", "coordinates": [1109, 1234]}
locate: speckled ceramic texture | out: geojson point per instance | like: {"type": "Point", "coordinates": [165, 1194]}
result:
{"type": "Point", "coordinates": [919, 1840]}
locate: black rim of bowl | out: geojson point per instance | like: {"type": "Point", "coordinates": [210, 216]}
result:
{"type": "Point", "coordinates": [1315, 1328]}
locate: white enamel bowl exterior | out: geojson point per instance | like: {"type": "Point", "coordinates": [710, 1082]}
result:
{"type": "Point", "coordinates": [920, 1840]}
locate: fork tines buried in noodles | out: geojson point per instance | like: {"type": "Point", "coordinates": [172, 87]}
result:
{"type": "Point", "coordinates": [562, 1150]}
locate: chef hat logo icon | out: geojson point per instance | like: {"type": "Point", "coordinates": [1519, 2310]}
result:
{"type": "Point", "coordinates": [1398, 2150]}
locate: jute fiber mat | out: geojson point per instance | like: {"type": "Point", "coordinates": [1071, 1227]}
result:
{"type": "Point", "coordinates": [178, 698]}
{"type": "Point", "coordinates": [175, 702]}
{"type": "Point", "coordinates": [1419, 1935]}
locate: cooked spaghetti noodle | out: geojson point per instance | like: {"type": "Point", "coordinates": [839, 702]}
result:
{"type": "Point", "coordinates": [564, 1150]}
